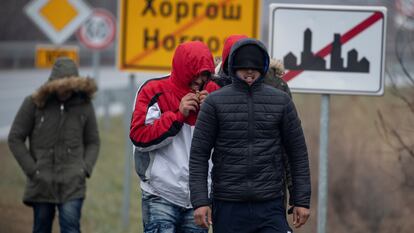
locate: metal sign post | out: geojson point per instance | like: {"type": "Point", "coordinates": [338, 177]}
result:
{"type": "Point", "coordinates": [97, 33]}
{"type": "Point", "coordinates": [128, 152]}
{"type": "Point", "coordinates": [96, 57]}
{"type": "Point", "coordinates": [323, 163]}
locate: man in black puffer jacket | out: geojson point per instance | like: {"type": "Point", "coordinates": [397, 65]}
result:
{"type": "Point", "coordinates": [247, 124]}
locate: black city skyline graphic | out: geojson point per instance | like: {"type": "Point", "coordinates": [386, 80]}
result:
{"type": "Point", "coordinates": [310, 61]}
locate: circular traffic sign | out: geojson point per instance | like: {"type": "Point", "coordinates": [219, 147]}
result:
{"type": "Point", "coordinates": [98, 32]}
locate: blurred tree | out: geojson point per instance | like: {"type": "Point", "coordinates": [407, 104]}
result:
{"type": "Point", "coordinates": [397, 135]}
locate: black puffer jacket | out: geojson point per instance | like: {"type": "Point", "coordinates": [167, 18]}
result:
{"type": "Point", "coordinates": [247, 127]}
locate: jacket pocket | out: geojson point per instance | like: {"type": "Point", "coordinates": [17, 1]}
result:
{"type": "Point", "coordinates": [278, 168]}
{"type": "Point", "coordinates": [39, 120]}
{"type": "Point", "coordinates": [40, 187]}
{"type": "Point", "coordinates": [74, 154]}
{"type": "Point", "coordinates": [74, 128]}
{"type": "Point", "coordinates": [42, 124]}
{"type": "Point", "coordinates": [43, 157]}
{"type": "Point", "coordinates": [217, 169]}
{"type": "Point", "coordinates": [74, 177]}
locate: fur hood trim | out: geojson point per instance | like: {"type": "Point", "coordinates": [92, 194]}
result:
{"type": "Point", "coordinates": [86, 86]}
{"type": "Point", "coordinates": [277, 66]}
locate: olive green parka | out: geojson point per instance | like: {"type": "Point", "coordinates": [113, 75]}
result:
{"type": "Point", "coordinates": [63, 140]}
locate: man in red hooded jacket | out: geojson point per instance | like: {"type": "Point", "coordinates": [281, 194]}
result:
{"type": "Point", "coordinates": [161, 131]}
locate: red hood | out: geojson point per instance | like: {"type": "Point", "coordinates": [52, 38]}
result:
{"type": "Point", "coordinates": [190, 59]}
{"type": "Point", "coordinates": [227, 47]}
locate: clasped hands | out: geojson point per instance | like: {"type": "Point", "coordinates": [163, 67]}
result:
{"type": "Point", "coordinates": [192, 102]}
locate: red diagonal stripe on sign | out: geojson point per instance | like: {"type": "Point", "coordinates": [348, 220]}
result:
{"type": "Point", "coordinates": [177, 32]}
{"type": "Point", "coordinates": [344, 39]}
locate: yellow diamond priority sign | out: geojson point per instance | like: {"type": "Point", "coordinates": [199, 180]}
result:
{"type": "Point", "coordinates": [58, 19]}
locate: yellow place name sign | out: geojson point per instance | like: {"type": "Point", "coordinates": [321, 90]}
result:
{"type": "Point", "coordinates": [47, 54]}
{"type": "Point", "coordinates": [150, 30]}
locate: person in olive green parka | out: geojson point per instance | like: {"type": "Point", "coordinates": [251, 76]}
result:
{"type": "Point", "coordinates": [59, 122]}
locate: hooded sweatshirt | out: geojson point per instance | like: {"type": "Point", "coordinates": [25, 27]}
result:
{"type": "Point", "coordinates": [223, 77]}
{"type": "Point", "coordinates": [273, 76]}
{"type": "Point", "coordinates": [161, 134]}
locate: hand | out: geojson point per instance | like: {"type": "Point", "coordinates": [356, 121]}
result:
{"type": "Point", "coordinates": [202, 95]}
{"type": "Point", "coordinates": [188, 103]}
{"type": "Point", "coordinates": [202, 216]}
{"type": "Point", "coordinates": [300, 216]}
{"type": "Point", "coordinates": [41, 177]}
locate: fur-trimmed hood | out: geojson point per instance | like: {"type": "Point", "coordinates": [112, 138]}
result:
{"type": "Point", "coordinates": [277, 67]}
{"type": "Point", "coordinates": [85, 86]}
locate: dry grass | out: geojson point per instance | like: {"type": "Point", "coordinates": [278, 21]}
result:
{"type": "Point", "coordinates": [366, 187]}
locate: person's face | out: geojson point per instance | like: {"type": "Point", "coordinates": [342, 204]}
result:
{"type": "Point", "coordinates": [248, 75]}
{"type": "Point", "coordinates": [199, 82]}
{"type": "Point", "coordinates": [64, 95]}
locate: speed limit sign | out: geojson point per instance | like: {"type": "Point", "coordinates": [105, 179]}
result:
{"type": "Point", "coordinates": [98, 32]}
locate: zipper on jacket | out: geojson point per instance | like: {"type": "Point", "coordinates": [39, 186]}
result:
{"type": "Point", "coordinates": [250, 192]}
{"type": "Point", "coordinates": [60, 142]}
{"type": "Point", "coordinates": [62, 112]}
{"type": "Point", "coordinates": [42, 119]}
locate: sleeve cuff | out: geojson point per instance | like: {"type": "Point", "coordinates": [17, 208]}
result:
{"type": "Point", "coordinates": [290, 210]}
{"type": "Point", "coordinates": [32, 172]}
{"type": "Point", "coordinates": [86, 170]}
{"type": "Point", "coordinates": [197, 204]}
{"type": "Point", "coordinates": [304, 206]}
{"type": "Point", "coordinates": [180, 116]}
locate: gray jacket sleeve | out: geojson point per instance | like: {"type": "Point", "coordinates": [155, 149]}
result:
{"type": "Point", "coordinates": [20, 130]}
{"type": "Point", "coordinates": [295, 146]}
{"type": "Point", "coordinates": [91, 141]}
{"type": "Point", "coordinates": [202, 143]}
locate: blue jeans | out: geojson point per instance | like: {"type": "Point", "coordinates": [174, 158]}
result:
{"type": "Point", "coordinates": [250, 217]}
{"type": "Point", "coordinates": [161, 216]}
{"type": "Point", "coordinates": [69, 216]}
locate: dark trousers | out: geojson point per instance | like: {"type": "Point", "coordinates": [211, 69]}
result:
{"type": "Point", "coordinates": [69, 216]}
{"type": "Point", "coordinates": [250, 217]}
